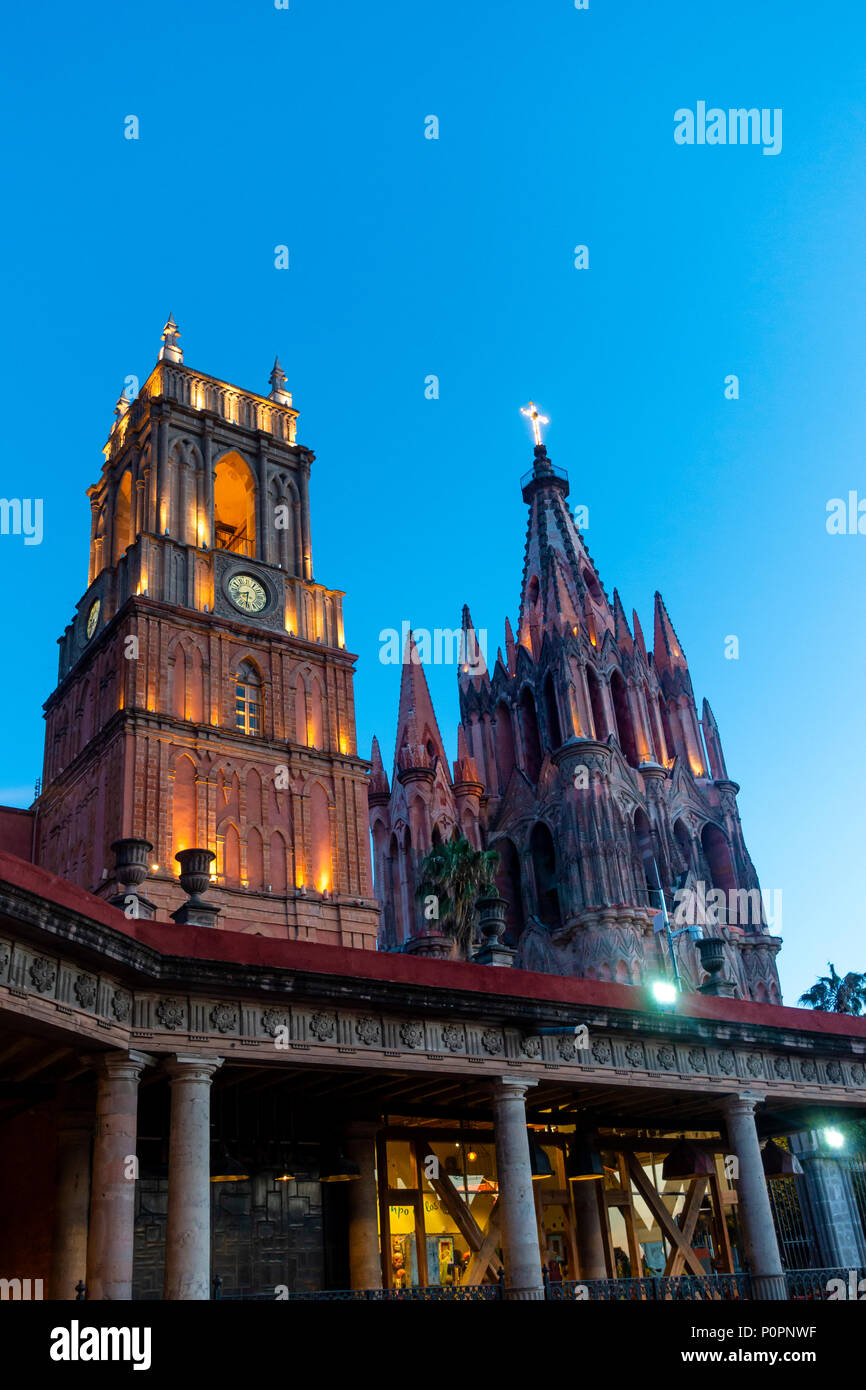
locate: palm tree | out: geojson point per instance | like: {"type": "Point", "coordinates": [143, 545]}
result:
{"type": "Point", "coordinates": [835, 995]}
{"type": "Point", "coordinates": [457, 875]}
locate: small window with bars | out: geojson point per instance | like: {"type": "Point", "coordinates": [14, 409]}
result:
{"type": "Point", "coordinates": [248, 700]}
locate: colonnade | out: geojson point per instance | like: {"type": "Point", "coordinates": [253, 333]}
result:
{"type": "Point", "coordinates": [98, 1235]}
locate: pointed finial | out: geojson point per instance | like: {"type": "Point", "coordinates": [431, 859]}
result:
{"type": "Point", "coordinates": [122, 406]}
{"type": "Point", "coordinates": [171, 350]}
{"type": "Point", "coordinates": [277, 381]}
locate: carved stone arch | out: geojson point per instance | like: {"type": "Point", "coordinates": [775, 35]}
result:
{"type": "Point", "coordinates": [184, 801]}
{"type": "Point", "coordinates": [718, 856]}
{"type": "Point", "coordinates": [235, 492]}
{"type": "Point", "coordinates": [123, 499]}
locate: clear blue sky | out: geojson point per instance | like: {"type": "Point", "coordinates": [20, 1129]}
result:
{"type": "Point", "coordinates": [411, 256]}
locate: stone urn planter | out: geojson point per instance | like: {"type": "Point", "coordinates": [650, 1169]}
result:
{"type": "Point", "coordinates": [194, 870]}
{"type": "Point", "coordinates": [131, 861]}
{"type": "Point", "coordinates": [491, 918]}
{"type": "Point", "coordinates": [491, 925]}
{"type": "Point", "coordinates": [194, 879]}
{"type": "Point", "coordinates": [711, 950]}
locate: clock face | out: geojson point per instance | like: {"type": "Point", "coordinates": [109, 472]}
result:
{"type": "Point", "coordinates": [92, 619]}
{"type": "Point", "coordinates": [247, 593]}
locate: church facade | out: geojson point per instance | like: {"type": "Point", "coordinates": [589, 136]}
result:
{"type": "Point", "coordinates": [583, 762]}
{"type": "Point", "coordinates": [233, 1062]}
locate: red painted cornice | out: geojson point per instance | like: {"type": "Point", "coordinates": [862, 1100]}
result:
{"type": "Point", "coordinates": [239, 947]}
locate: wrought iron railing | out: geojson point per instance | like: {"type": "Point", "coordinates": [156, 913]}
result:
{"type": "Point", "coordinates": [434, 1293]}
{"type": "Point", "coordinates": [658, 1288]}
{"type": "Point", "coordinates": [803, 1284]}
{"type": "Point", "coordinates": [815, 1284]}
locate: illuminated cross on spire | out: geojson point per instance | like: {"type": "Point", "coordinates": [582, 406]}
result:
{"type": "Point", "coordinates": [537, 420]}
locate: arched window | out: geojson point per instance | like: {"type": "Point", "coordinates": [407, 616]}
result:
{"type": "Point", "coordinates": [504, 744]}
{"type": "Point", "coordinates": [254, 798]}
{"type": "Point", "coordinates": [317, 717]}
{"type": "Point", "coordinates": [123, 516]}
{"type": "Point", "coordinates": [183, 804]}
{"type": "Point", "coordinates": [320, 838]}
{"type": "Point", "coordinates": [531, 741]}
{"type": "Point", "coordinates": [509, 887]}
{"type": "Point", "coordinates": [255, 859]}
{"type": "Point", "coordinates": [717, 853]}
{"type": "Point", "coordinates": [393, 908]}
{"type": "Point", "coordinates": [234, 498]}
{"type": "Point", "coordinates": [301, 730]}
{"type": "Point", "coordinates": [195, 688]}
{"type": "Point", "coordinates": [666, 727]}
{"type": "Point", "coordinates": [596, 705]}
{"type": "Point", "coordinates": [248, 699]}
{"type": "Point", "coordinates": [552, 711]}
{"type": "Point", "coordinates": [622, 712]}
{"type": "Point", "coordinates": [544, 866]}
{"type": "Point", "coordinates": [645, 871]}
{"type": "Point", "coordinates": [592, 584]}
{"type": "Point", "coordinates": [278, 863]}
{"type": "Point", "coordinates": [684, 843]}
{"type": "Point", "coordinates": [232, 868]}
{"type": "Point", "coordinates": [177, 674]}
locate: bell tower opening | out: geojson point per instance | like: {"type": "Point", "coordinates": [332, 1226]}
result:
{"type": "Point", "coordinates": [234, 499]}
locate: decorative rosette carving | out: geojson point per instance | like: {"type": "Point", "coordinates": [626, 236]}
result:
{"type": "Point", "coordinates": [491, 1041]}
{"type": "Point", "coordinates": [85, 990]}
{"type": "Point", "coordinates": [601, 1051]}
{"type": "Point", "coordinates": [273, 1020]}
{"type": "Point", "coordinates": [411, 1034]}
{"type": "Point", "coordinates": [224, 1017]}
{"type": "Point", "coordinates": [368, 1030]}
{"type": "Point", "coordinates": [43, 973]}
{"type": "Point", "coordinates": [323, 1026]}
{"type": "Point", "coordinates": [171, 1013]}
{"type": "Point", "coordinates": [121, 1005]}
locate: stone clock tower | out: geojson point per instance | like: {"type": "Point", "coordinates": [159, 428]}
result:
{"type": "Point", "coordinates": [205, 691]}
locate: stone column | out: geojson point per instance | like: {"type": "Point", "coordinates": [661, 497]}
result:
{"type": "Point", "coordinates": [830, 1204]}
{"type": "Point", "coordinates": [590, 1236]}
{"type": "Point", "coordinates": [71, 1201]}
{"type": "Point", "coordinates": [753, 1208]}
{"type": "Point", "coordinates": [365, 1265]}
{"type": "Point", "coordinates": [112, 1184]}
{"type": "Point", "coordinates": [519, 1230]}
{"type": "Point", "coordinates": [187, 1236]}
